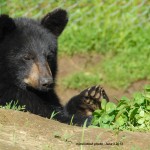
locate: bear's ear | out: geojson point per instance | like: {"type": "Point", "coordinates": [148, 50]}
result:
{"type": "Point", "coordinates": [55, 21]}
{"type": "Point", "coordinates": [7, 25]}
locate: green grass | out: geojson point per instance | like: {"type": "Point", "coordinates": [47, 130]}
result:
{"type": "Point", "coordinates": [117, 71]}
{"type": "Point", "coordinates": [127, 67]}
{"type": "Point", "coordinates": [14, 106]}
{"type": "Point", "coordinates": [119, 30]}
{"type": "Point", "coordinates": [94, 25]}
{"type": "Point", "coordinates": [81, 80]}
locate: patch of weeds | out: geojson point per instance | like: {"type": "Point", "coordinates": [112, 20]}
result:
{"type": "Point", "coordinates": [133, 115]}
{"type": "Point", "coordinates": [14, 106]}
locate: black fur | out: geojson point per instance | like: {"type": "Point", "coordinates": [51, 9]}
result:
{"type": "Point", "coordinates": [23, 41]}
{"type": "Point", "coordinates": [6, 25]}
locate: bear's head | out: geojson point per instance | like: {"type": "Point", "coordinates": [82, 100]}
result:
{"type": "Point", "coordinates": [28, 50]}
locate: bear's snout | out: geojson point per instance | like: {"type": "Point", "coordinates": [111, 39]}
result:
{"type": "Point", "coordinates": [46, 81]}
{"type": "Point", "coordinates": [39, 77]}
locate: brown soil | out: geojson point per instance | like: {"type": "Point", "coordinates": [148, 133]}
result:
{"type": "Point", "coordinates": [19, 130]}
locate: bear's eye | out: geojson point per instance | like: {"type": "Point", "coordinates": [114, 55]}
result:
{"type": "Point", "coordinates": [27, 57]}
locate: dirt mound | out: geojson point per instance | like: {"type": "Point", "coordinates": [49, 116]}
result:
{"type": "Point", "coordinates": [21, 130]}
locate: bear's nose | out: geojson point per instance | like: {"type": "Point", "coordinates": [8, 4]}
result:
{"type": "Point", "coordinates": [46, 81]}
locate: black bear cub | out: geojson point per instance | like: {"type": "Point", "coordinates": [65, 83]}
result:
{"type": "Point", "coordinates": [28, 67]}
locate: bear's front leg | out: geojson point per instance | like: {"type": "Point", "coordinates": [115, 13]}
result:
{"type": "Point", "coordinates": [86, 102]}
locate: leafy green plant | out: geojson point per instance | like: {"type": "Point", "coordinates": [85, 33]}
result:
{"type": "Point", "coordinates": [14, 106]}
{"type": "Point", "coordinates": [128, 114]}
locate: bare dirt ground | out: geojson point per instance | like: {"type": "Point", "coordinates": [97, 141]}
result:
{"type": "Point", "coordinates": [19, 130]}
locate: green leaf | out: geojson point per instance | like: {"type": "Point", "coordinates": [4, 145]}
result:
{"type": "Point", "coordinates": [123, 102]}
{"type": "Point", "coordinates": [97, 112]}
{"type": "Point", "coordinates": [103, 104]}
{"type": "Point", "coordinates": [112, 118]}
{"type": "Point", "coordinates": [104, 125]}
{"type": "Point", "coordinates": [95, 122]}
{"type": "Point", "coordinates": [147, 96]}
{"type": "Point", "coordinates": [147, 88]}
{"type": "Point", "coordinates": [110, 107]}
{"type": "Point", "coordinates": [141, 121]}
{"type": "Point", "coordinates": [125, 99]}
{"type": "Point", "coordinates": [122, 106]}
{"type": "Point", "coordinates": [106, 118]}
{"type": "Point", "coordinates": [142, 126]}
{"type": "Point", "coordinates": [139, 98]}
{"type": "Point", "coordinates": [147, 117]}
{"type": "Point", "coordinates": [120, 112]}
{"type": "Point", "coordinates": [141, 113]}
{"type": "Point", "coordinates": [137, 116]}
{"type": "Point", "coordinates": [120, 121]}
{"type": "Point", "coordinates": [148, 107]}
{"type": "Point", "coordinates": [133, 112]}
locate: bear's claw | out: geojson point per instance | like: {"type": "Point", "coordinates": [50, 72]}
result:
{"type": "Point", "coordinates": [87, 101]}
{"type": "Point", "coordinates": [91, 99]}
